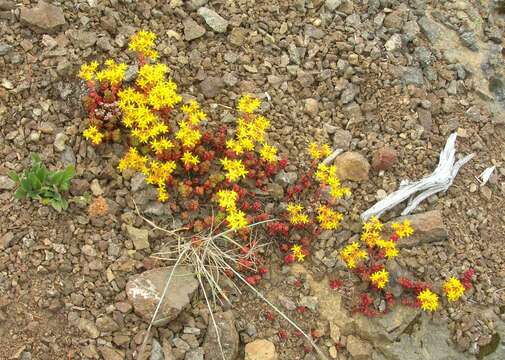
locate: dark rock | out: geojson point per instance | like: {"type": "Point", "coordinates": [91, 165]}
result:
{"type": "Point", "coordinates": [211, 86]}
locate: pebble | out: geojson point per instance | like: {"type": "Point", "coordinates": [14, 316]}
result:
{"type": "Point", "coordinates": [192, 30]}
{"type": "Point", "coordinates": [352, 166]}
{"type": "Point", "coordinates": [260, 350]}
{"type": "Point", "coordinates": [384, 158]}
{"type": "Point", "coordinates": [311, 106]}
{"type": "Point", "coordinates": [139, 237]}
{"type": "Point", "coordinates": [43, 17]}
{"type": "Point", "coordinates": [213, 19]}
{"type": "Point", "coordinates": [96, 189]}
{"type": "Point", "coordinates": [6, 183]}
{"type": "Point", "coordinates": [59, 142]}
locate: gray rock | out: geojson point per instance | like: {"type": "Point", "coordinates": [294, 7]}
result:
{"type": "Point", "coordinates": [144, 292]}
{"type": "Point", "coordinates": [156, 351]}
{"type": "Point", "coordinates": [43, 17]}
{"type": "Point", "coordinates": [311, 106]}
{"type": "Point", "coordinates": [469, 39]}
{"type": "Point", "coordinates": [6, 183]}
{"type": "Point", "coordinates": [59, 142]}
{"type": "Point", "coordinates": [228, 335]}
{"type": "Point", "coordinates": [82, 39]}
{"type": "Point", "coordinates": [349, 93]}
{"type": "Point", "coordinates": [394, 43]}
{"type": "Point", "coordinates": [89, 327]}
{"type": "Point", "coordinates": [195, 4]}
{"type": "Point", "coordinates": [332, 4]}
{"type": "Point", "coordinates": [353, 112]}
{"type": "Point", "coordinates": [286, 178]}
{"type": "Point", "coordinates": [342, 139]}
{"type": "Point", "coordinates": [5, 49]}
{"type": "Point", "coordinates": [359, 349]}
{"type": "Point", "coordinates": [412, 76]}
{"type": "Point", "coordinates": [139, 237]}
{"type": "Point", "coordinates": [430, 28]}
{"type": "Point", "coordinates": [192, 30]}
{"type": "Point", "coordinates": [138, 182]}
{"type": "Point", "coordinates": [211, 86]}
{"type": "Point", "coordinates": [425, 120]}
{"type": "Point", "coordinates": [213, 19]}
{"type": "Point", "coordinates": [106, 324]}
{"type": "Point", "coordinates": [287, 303]}
{"type": "Point", "coordinates": [275, 190]}
{"type": "Point", "coordinates": [238, 36]}
{"type": "Point", "coordinates": [424, 56]}
{"type": "Point", "coordinates": [196, 354]}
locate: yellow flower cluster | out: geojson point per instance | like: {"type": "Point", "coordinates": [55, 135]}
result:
{"type": "Point", "coordinates": [93, 134]}
{"type": "Point", "coordinates": [143, 42]}
{"type": "Point", "coordinates": [113, 73]}
{"type": "Point", "coordinates": [454, 289]}
{"type": "Point", "coordinates": [132, 160]}
{"type": "Point", "coordinates": [380, 278]}
{"type": "Point", "coordinates": [188, 159]}
{"type": "Point", "coordinates": [151, 74]}
{"type": "Point", "coordinates": [248, 105]}
{"type": "Point", "coordinates": [164, 95]}
{"type": "Point", "coordinates": [297, 252]}
{"type": "Point", "coordinates": [404, 229]}
{"type": "Point", "coordinates": [352, 254]}
{"type": "Point", "coordinates": [328, 218]}
{"type": "Point", "coordinates": [296, 214]}
{"type": "Point", "coordinates": [371, 236]}
{"type": "Point", "coordinates": [318, 152]}
{"type": "Point", "coordinates": [88, 71]}
{"type": "Point", "coordinates": [268, 153]}
{"type": "Point", "coordinates": [158, 174]}
{"type": "Point", "coordinates": [236, 219]}
{"type": "Point", "coordinates": [248, 134]}
{"type": "Point", "coordinates": [161, 144]}
{"type": "Point", "coordinates": [188, 134]}
{"type": "Point", "coordinates": [235, 169]}
{"type": "Point", "coordinates": [428, 300]}
{"type": "Point", "coordinates": [327, 175]}
{"type": "Point", "coordinates": [194, 113]}
{"type": "Point", "coordinates": [227, 199]}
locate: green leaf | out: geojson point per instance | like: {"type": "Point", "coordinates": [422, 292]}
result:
{"type": "Point", "coordinates": [34, 181]}
{"type": "Point", "coordinates": [13, 176]}
{"type": "Point", "coordinates": [26, 185]}
{"type": "Point", "coordinates": [36, 158]}
{"type": "Point", "coordinates": [20, 194]}
{"type": "Point", "coordinates": [56, 205]}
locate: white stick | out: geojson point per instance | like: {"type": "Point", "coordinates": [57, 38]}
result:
{"type": "Point", "coordinates": [440, 180]}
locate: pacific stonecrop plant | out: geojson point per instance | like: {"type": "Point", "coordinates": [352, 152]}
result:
{"type": "Point", "coordinates": [216, 179]}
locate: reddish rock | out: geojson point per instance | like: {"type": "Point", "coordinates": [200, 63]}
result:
{"type": "Point", "coordinates": [428, 227]}
{"type": "Point", "coordinates": [384, 158]}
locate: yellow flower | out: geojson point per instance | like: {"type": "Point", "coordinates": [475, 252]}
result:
{"type": "Point", "coordinates": [236, 219]}
{"type": "Point", "coordinates": [88, 70]}
{"type": "Point", "coordinates": [296, 216]}
{"type": "Point", "coordinates": [247, 104]}
{"type": "Point", "coordinates": [325, 150]}
{"type": "Point", "coordinates": [428, 300]}
{"type": "Point", "coordinates": [370, 238]}
{"type": "Point", "coordinates": [391, 253]}
{"type": "Point", "coordinates": [328, 218]}
{"type": "Point", "coordinates": [188, 135]}
{"type": "Point", "coordinates": [161, 144]}
{"type": "Point", "coordinates": [132, 160]}
{"type": "Point", "coordinates": [268, 153]}
{"type": "Point", "coordinates": [298, 253]}
{"type": "Point", "coordinates": [151, 74]}
{"type": "Point", "coordinates": [189, 159]}
{"type": "Point", "coordinates": [314, 151]}
{"type": "Point", "coordinates": [227, 199]}
{"type": "Point", "coordinates": [380, 278]}
{"type": "Point", "coordinates": [162, 194]}
{"type": "Point", "coordinates": [327, 175]}
{"type": "Point", "coordinates": [454, 289]}
{"type": "Point", "coordinates": [159, 173]}
{"type": "Point", "coordinates": [129, 98]}
{"type": "Point", "coordinates": [143, 42]}
{"type": "Point", "coordinates": [352, 254]}
{"type": "Point", "coordinates": [93, 134]}
{"type": "Point", "coordinates": [404, 229]}
{"type": "Point", "coordinates": [235, 169]}
{"type": "Point", "coordinates": [164, 95]}
{"type": "Point", "coordinates": [113, 73]}
{"type": "Point", "coordinates": [234, 146]}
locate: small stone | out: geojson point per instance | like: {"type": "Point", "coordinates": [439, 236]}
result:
{"type": "Point", "coordinates": [287, 303]}
{"type": "Point", "coordinates": [6, 5]}
{"type": "Point", "coordinates": [428, 227]}
{"type": "Point", "coordinates": [213, 19]}
{"type": "Point", "coordinates": [228, 334]}
{"type": "Point", "coordinates": [192, 30]}
{"type": "Point", "coordinates": [89, 327]}
{"type": "Point", "coordinates": [138, 182]}
{"type": "Point", "coordinates": [144, 292]}
{"type": "Point", "coordinates": [139, 237]}
{"type": "Point", "coordinates": [211, 86]}
{"type": "Point", "coordinates": [359, 349]}
{"type": "Point", "coordinates": [96, 189]}
{"type": "Point", "coordinates": [197, 354]}
{"type": "Point", "coordinates": [156, 351]}
{"type": "Point", "coordinates": [413, 76]}
{"type": "Point", "coordinates": [109, 353]}
{"type": "Point", "coordinates": [394, 43]}
{"type": "Point", "coordinates": [5, 240]}
{"type": "Point", "coordinates": [238, 36]}
{"type": "Point", "coordinates": [6, 183]}
{"type": "Point", "coordinates": [349, 93]}
{"type": "Point", "coordinates": [275, 190]}
{"type": "Point", "coordinates": [384, 158]}
{"type": "Point", "coordinates": [311, 106]}
{"type": "Point", "coordinates": [425, 120]}
{"type": "Point", "coordinates": [59, 142]}
{"type": "Point", "coordinates": [43, 17]}
{"type": "Point", "coordinates": [5, 49]}
{"type": "Point", "coordinates": [332, 4]}
{"type": "Point", "coordinates": [342, 139]}
{"type": "Point", "coordinates": [106, 324]}
{"type": "Point", "coordinates": [260, 350]}
{"type": "Point", "coordinates": [352, 166]}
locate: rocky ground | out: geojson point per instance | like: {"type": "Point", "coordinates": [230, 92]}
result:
{"type": "Point", "coordinates": [385, 80]}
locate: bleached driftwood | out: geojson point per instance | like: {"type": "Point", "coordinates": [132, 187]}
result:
{"type": "Point", "coordinates": [486, 175]}
{"type": "Point", "coordinates": [438, 181]}
{"type": "Point", "coordinates": [332, 156]}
